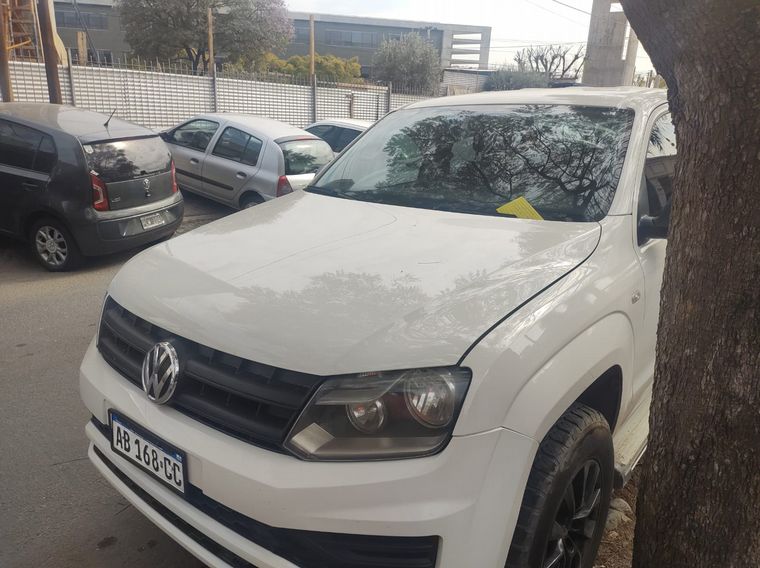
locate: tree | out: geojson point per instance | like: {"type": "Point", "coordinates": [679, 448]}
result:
{"type": "Point", "coordinates": [326, 67]}
{"type": "Point", "coordinates": [243, 29]}
{"type": "Point", "coordinates": [698, 502]}
{"type": "Point", "coordinates": [556, 61]}
{"type": "Point", "coordinates": [509, 80]}
{"type": "Point", "coordinates": [410, 63]}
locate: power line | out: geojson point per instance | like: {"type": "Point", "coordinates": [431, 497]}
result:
{"type": "Point", "coordinates": [512, 47]}
{"type": "Point", "coordinates": [555, 13]}
{"type": "Point", "coordinates": [571, 7]}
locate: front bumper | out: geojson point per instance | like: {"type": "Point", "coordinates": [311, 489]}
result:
{"type": "Point", "coordinates": [467, 497]}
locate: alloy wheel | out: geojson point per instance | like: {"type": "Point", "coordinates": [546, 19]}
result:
{"type": "Point", "coordinates": [51, 245]}
{"type": "Point", "coordinates": [573, 529]}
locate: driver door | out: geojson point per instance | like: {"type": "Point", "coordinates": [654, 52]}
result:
{"type": "Point", "coordinates": [654, 200]}
{"type": "Point", "coordinates": [188, 144]}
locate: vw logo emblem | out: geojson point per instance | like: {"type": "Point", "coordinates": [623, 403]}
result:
{"type": "Point", "coordinates": [146, 184]}
{"type": "Point", "coordinates": [160, 369]}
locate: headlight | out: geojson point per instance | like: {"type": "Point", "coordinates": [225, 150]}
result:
{"type": "Point", "coordinates": [388, 415]}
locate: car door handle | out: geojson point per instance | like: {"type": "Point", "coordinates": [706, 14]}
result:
{"type": "Point", "coordinates": [193, 160]}
{"type": "Point", "coordinates": [30, 184]}
{"type": "Point", "coordinates": [241, 175]}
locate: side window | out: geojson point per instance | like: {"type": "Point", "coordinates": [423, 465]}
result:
{"type": "Point", "coordinates": [239, 146]}
{"type": "Point", "coordinates": [196, 134]}
{"type": "Point", "coordinates": [46, 156]}
{"type": "Point", "coordinates": [26, 148]}
{"type": "Point", "coordinates": [659, 167]}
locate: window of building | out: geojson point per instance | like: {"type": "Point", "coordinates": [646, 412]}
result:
{"type": "Point", "coordinates": [301, 34]}
{"type": "Point", "coordinates": [91, 20]}
{"type": "Point", "coordinates": [349, 38]}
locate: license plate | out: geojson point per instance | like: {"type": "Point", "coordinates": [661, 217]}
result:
{"type": "Point", "coordinates": [149, 452]}
{"type": "Point", "coordinates": [152, 221]}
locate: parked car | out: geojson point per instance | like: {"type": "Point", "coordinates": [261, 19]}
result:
{"type": "Point", "coordinates": [339, 132]}
{"type": "Point", "coordinates": [78, 183]}
{"type": "Point", "coordinates": [441, 355]}
{"type": "Point", "coordinates": [242, 160]}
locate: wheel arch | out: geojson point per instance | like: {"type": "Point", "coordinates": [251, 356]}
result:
{"type": "Point", "coordinates": [592, 369]}
{"type": "Point", "coordinates": [31, 218]}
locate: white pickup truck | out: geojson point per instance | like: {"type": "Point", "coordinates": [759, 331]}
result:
{"type": "Point", "coordinates": [440, 354]}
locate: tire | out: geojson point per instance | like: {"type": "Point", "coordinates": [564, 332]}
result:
{"type": "Point", "coordinates": [250, 200]}
{"type": "Point", "coordinates": [560, 525]}
{"type": "Point", "coordinates": [53, 246]}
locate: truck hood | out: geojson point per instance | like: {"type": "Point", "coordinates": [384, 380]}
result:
{"type": "Point", "coordinates": [327, 286]}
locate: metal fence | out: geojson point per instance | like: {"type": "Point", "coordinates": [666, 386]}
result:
{"type": "Point", "coordinates": [159, 96]}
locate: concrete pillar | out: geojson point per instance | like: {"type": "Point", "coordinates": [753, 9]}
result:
{"type": "Point", "coordinates": [610, 62]}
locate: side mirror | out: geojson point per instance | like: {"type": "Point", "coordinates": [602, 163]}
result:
{"type": "Point", "coordinates": [653, 227]}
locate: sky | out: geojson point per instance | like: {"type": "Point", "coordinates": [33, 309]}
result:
{"type": "Point", "coordinates": [514, 23]}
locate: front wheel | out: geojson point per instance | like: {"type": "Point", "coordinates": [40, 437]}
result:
{"type": "Point", "coordinates": [567, 497]}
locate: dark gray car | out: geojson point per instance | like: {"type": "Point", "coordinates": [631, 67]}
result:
{"type": "Point", "coordinates": [75, 184]}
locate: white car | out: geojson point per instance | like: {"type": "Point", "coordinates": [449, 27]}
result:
{"type": "Point", "coordinates": [442, 356]}
{"type": "Point", "coordinates": [339, 132]}
{"type": "Point", "coordinates": [242, 160]}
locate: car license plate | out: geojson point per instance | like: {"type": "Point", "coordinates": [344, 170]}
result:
{"type": "Point", "coordinates": [152, 221]}
{"type": "Point", "coordinates": [149, 452]}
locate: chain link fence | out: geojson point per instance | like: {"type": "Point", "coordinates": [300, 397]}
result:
{"type": "Point", "coordinates": [159, 95]}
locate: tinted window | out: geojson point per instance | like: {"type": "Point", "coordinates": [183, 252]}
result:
{"type": "Point", "coordinates": [195, 134]}
{"type": "Point", "coordinates": [26, 148]}
{"type": "Point", "coordinates": [564, 161]}
{"type": "Point", "coordinates": [120, 160]}
{"type": "Point", "coordinates": [321, 130]}
{"type": "Point", "coordinates": [660, 165]}
{"type": "Point", "coordinates": [305, 156]}
{"type": "Point", "coordinates": [344, 138]}
{"type": "Point", "coordinates": [237, 145]}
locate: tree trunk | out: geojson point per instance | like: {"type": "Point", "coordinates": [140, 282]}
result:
{"type": "Point", "coordinates": [699, 501]}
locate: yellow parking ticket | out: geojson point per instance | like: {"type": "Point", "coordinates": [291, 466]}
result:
{"type": "Point", "coordinates": [521, 209]}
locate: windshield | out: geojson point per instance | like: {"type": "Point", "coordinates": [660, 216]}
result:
{"type": "Point", "coordinates": [532, 161]}
{"type": "Point", "coordinates": [305, 156]}
{"type": "Point", "coordinates": [121, 160]}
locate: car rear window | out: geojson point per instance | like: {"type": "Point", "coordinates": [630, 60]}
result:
{"type": "Point", "coordinates": [305, 156]}
{"type": "Point", "coordinates": [121, 160]}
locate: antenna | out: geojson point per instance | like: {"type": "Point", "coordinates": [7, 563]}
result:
{"type": "Point", "coordinates": [109, 118]}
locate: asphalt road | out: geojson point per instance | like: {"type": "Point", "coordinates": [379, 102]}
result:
{"type": "Point", "coordinates": [55, 510]}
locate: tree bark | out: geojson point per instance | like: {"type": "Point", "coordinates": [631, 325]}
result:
{"type": "Point", "coordinates": [699, 501]}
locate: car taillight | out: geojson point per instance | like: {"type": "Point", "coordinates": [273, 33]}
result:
{"type": "Point", "coordinates": [174, 179]}
{"type": "Point", "coordinates": [283, 186]}
{"type": "Point", "coordinates": [99, 193]}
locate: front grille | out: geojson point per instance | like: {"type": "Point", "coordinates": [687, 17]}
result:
{"type": "Point", "coordinates": [254, 402]}
{"type": "Point", "coordinates": [307, 549]}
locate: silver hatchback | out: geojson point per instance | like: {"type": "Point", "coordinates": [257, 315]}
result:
{"type": "Point", "coordinates": [242, 160]}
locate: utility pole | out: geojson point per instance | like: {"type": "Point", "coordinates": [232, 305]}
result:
{"type": "Point", "coordinates": [5, 72]}
{"type": "Point", "coordinates": [312, 53]}
{"type": "Point", "coordinates": [49, 51]}
{"type": "Point", "coordinates": [211, 60]}
{"type": "Point", "coordinates": [312, 70]}
{"type": "Point", "coordinates": [82, 48]}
